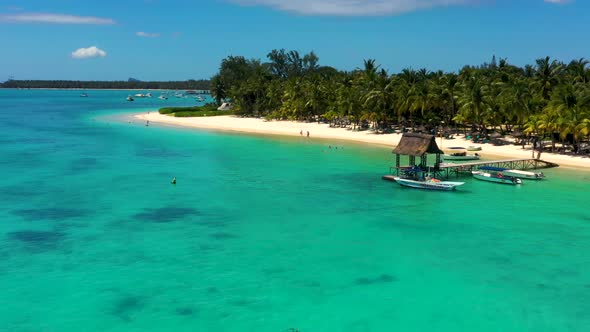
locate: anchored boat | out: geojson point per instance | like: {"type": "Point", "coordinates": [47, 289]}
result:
{"type": "Point", "coordinates": [417, 178]}
{"type": "Point", "coordinates": [495, 174]}
{"type": "Point", "coordinates": [459, 154]}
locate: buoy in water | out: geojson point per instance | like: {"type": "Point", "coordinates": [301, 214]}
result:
{"type": "Point", "coordinates": [173, 180]}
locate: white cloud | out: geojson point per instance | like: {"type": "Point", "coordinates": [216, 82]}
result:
{"type": "Point", "coordinates": [54, 19]}
{"type": "Point", "coordinates": [352, 7]}
{"type": "Point", "coordinates": [87, 53]}
{"type": "Point", "coordinates": [147, 34]}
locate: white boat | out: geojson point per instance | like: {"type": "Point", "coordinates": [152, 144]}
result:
{"type": "Point", "coordinates": [498, 177]}
{"type": "Point", "coordinates": [163, 97]}
{"type": "Point", "coordinates": [199, 98]}
{"type": "Point", "coordinates": [225, 107]}
{"type": "Point", "coordinates": [461, 156]}
{"type": "Point", "coordinates": [179, 95]}
{"type": "Point", "coordinates": [129, 98]}
{"type": "Point", "coordinates": [139, 95]}
{"type": "Point", "coordinates": [84, 95]}
{"type": "Point", "coordinates": [429, 184]}
{"type": "Point", "coordinates": [149, 95]}
{"type": "Point", "coordinates": [524, 174]}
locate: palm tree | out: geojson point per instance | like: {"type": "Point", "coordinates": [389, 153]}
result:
{"type": "Point", "coordinates": [548, 73]}
{"type": "Point", "coordinates": [472, 101]}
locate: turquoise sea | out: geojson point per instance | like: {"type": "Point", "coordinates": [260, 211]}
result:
{"type": "Point", "coordinates": [265, 233]}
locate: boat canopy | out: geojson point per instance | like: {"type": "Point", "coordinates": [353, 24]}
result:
{"type": "Point", "coordinates": [493, 169]}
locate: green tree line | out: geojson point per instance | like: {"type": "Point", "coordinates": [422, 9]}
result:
{"type": "Point", "coordinates": [131, 84]}
{"type": "Point", "coordinates": [548, 99]}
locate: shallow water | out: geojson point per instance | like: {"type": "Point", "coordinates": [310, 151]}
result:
{"type": "Point", "coordinates": [265, 234]}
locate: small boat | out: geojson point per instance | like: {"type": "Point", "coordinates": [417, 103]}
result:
{"type": "Point", "coordinates": [419, 179]}
{"type": "Point", "coordinates": [149, 95]}
{"type": "Point", "coordinates": [199, 98]}
{"type": "Point", "coordinates": [474, 148]}
{"type": "Point", "coordinates": [492, 174]}
{"type": "Point", "coordinates": [84, 95]}
{"type": "Point", "coordinates": [429, 184]}
{"type": "Point", "coordinates": [526, 175]}
{"type": "Point", "coordinates": [461, 156]}
{"type": "Point", "coordinates": [129, 98]}
{"type": "Point", "coordinates": [179, 95]}
{"type": "Point", "coordinates": [139, 95]}
{"type": "Point", "coordinates": [163, 97]}
{"type": "Point", "coordinates": [225, 107]}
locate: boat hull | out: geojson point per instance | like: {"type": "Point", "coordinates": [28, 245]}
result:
{"type": "Point", "coordinates": [429, 185]}
{"type": "Point", "coordinates": [460, 158]}
{"type": "Point", "coordinates": [491, 178]}
{"type": "Point", "coordinates": [525, 175]}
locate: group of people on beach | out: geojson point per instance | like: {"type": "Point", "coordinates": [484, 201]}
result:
{"type": "Point", "coordinates": [301, 133]}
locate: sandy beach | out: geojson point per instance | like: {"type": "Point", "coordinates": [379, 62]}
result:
{"type": "Point", "coordinates": [321, 130]}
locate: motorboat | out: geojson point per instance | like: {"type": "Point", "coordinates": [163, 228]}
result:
{"type": "Point", "coordinates": [525, 174]}
{"type": "Point", "coordinates": [491, 174]}
{"type": "Point", "coordinates": [429, 184]}
{"type": "Point", "coordinates": [163, 97]}
{"type": "Point", "coordinates": [148, 95]}
{"type": "Point", "coordinates": [129, 98]}
{"type": "Point", "coordinates": [460, 154]}
{"type": "Point", "coordinates": [225, 107]}
{"type": "Point", "coordinates": [419, 179]}
{"type": "Point", "coordinates": [84, 95]}
{"type": "Point", "coordinates": [139, 95]}
{"type": "Point", "coordinates": [200, 99]}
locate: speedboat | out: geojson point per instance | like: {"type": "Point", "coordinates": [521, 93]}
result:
{"type": "Point", "coordinates": [199, 98]}
{"type": "Point", "coordinates": [491, 174]}
{"type": "Point", "coordinates": [525, 174]}
{"type": "Point", "coordinates": [225, 107]}
{"type": "Point", "coordinates": [163, 97]}
{"type": "Point", "coordinates": [84, 95]}
{"type": "Point", "coordinates": [428, 184]}
{"type": "Point", "coordinates": [149, 95]}
{"type": "Point", "coordinates": [129, 98]}
{"type": "Point", "coordinates": [461, 156]}
{"type": "Point", "coordinates": [139, 95]}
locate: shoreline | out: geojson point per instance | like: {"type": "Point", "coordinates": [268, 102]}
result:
{"type": "Point", "coordinates": [230, 123]}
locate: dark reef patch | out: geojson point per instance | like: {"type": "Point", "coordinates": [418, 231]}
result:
{"type": "Point", "coordinates": [38, 240]}
{"type": "Point", "coordinates": [159, 153]}
{"type": "Point", "coordinates": [125, 307]}
{"type": "Point", "coordinates": [223, 236]}
{"type": "Point", "coordinates": [83, 164]}
{"type": "Point", "coordinates": [185, 311]}
{"type": "Point", "coordinates": [55, 214]}
{"type": "Point", "coordinates": [382, 279]}
{"type": "Point", "coordinates": [166, 214]}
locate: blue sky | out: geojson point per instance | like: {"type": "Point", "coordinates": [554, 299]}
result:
{"type": "Point", "coordinates": [183, 39]}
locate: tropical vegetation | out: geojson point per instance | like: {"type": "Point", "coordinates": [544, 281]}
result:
{"type": "Point", "coordinates": [195, 111]}
{"type": "Point", "coordinates": [547, 100]}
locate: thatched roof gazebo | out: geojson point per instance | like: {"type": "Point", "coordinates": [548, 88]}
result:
{"type": "Point", "coordinates": [417, 145]}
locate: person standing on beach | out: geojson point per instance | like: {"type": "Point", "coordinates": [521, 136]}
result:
{"type": "Point", "coordinates": [308, 133]}
{"type": "Point", "coordinates": [301, 132]}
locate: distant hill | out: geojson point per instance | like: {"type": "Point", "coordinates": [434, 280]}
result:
{"type": "Point", "coordinates": [130, 84]}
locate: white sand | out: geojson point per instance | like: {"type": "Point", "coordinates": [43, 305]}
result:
{"type": "Point", "coordinates": [290, 128]}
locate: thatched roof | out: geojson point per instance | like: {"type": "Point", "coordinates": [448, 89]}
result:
{"type": "Point", "coordinates": [417, 145]}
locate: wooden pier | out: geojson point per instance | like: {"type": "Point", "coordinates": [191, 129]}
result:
{"type": "Point", "coordinates": [448, 169]}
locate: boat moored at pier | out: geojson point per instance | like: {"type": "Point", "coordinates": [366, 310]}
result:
{"type": "Point", "coordinates": [495, 174]}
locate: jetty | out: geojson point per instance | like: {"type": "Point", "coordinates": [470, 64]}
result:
{"type": "Point", "coordinates": [449, 169]}
{"type": "Point", "coordinates": [418, 146]}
